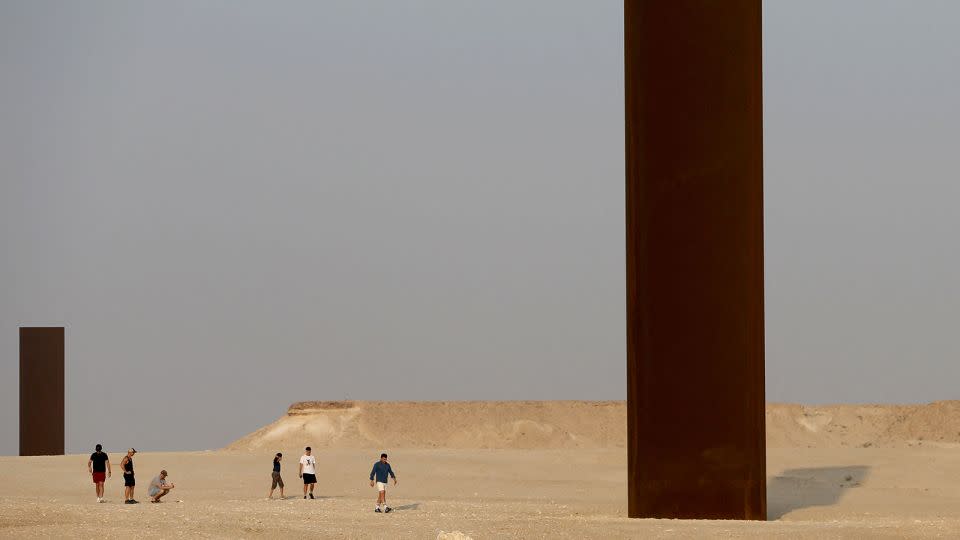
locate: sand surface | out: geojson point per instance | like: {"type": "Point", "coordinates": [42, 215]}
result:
{"type": "Point", "coordinates": [897, 487]}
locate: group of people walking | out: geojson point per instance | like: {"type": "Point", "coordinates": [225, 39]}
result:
{"type": "Point", "coordinates": [100, 470]}
{"type": "Point", "coordinates": [308, 472]}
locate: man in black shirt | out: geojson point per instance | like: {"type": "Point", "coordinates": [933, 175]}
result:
{"type": "Point", "coordinates": [129, 482]}
{"type": "Point", "coordinates": [99, 467]}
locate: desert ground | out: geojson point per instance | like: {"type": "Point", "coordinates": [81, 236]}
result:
{"type": "Point", "coordinates": [503, 470]}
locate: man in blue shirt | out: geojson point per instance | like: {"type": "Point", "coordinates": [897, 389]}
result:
{"type": "Point", "coordinates": [380, 471]}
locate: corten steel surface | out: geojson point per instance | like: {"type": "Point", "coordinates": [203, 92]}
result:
{"type": "Point", "coordinates": [41, 391]}
{"type": "Point", "coordinates": [694, 219]}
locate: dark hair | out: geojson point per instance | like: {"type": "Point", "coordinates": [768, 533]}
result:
{"type": "Point", "coordinates": [383, 455]}
{"type": "Point", "coordinates": [308, 448]}
{"type": "Point", "coordinates": [99, 447]}
{"type": "Point", "coordinates": [278, 456]}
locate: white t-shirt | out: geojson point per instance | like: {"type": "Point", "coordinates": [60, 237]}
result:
{"type": "Point", "coordinates": [309, 464]}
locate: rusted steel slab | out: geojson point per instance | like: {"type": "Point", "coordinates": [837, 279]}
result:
{"type": "Point", "coordinates": [694, 216]}
{"type": "Point", "coordinates": [41, 391]}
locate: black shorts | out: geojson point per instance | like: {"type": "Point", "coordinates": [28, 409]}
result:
{"type": "Point", "coordinates": [309, 478]}
{"type": "Point", "coordinates": [128, 480]}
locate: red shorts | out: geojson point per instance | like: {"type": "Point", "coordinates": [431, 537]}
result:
{"type": "Point", "coordinates": [99, 477]}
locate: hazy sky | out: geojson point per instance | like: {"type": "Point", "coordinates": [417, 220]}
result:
{"type": "Point", "coordinates": [237, 205]}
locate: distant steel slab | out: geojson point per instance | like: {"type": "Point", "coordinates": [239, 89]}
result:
{"type": "Point", "coordinates": [41, 391]}
{"type": "Point", "coordinates": [694, 198]}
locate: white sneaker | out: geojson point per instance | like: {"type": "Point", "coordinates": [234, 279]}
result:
{"type": "Point", "coordinates": [99, 500]}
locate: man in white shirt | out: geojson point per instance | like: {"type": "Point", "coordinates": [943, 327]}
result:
{"type": "Point", "coordinates": [308, 471]}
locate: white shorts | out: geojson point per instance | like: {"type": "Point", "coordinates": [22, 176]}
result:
{"type": "Point", "coordinates": [381, 486]}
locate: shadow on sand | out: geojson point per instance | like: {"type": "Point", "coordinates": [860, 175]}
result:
{"type": "Point", "coordinates": [315, 497]}
{"type": "Point", "coordinates": [413, 506]}
{"type": "Point", "coordinates": [794, 489]}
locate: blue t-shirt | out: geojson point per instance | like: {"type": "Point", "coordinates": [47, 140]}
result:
{"type": "Point", "coordinates": [380, 471]}
{"type": "Point", "coordinates": [276, 465]}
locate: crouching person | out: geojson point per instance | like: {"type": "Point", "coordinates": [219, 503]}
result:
{"type": "Point", "coordinates": [159, 487]}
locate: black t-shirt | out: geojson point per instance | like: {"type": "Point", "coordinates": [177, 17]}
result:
{"type": "Point", "coordinates": [276, 466]}
{"type": "Point", "coordinates": [99, 460]}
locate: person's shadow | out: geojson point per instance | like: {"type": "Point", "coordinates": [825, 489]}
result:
{"type": "Point", "coordinates": [794, 489]}
{"type": "Point", "coordinates": [412, 506]}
